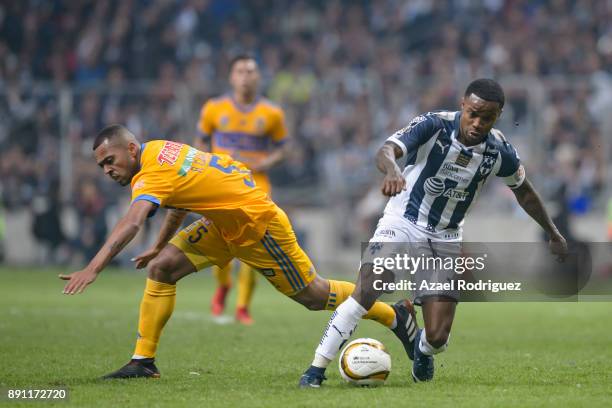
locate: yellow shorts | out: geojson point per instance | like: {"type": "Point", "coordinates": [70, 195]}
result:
{"type": "Point", "coordinates": [277, 256]}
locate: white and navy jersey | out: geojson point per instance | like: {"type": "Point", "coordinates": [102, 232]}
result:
{"type": "Point", "coordinates": [443, 177]}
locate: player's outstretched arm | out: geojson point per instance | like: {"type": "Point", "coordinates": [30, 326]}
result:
{"type": "Point", "coordinates": [203, 143]}
{"type": "Point", "coordinates": [172, 222]}
{"type": "Point", "coordinates": [272, 159]}
{"type": "Point", "coordinates": [530, 201]}
{"type": "Point", "coordinates": [386, 157]}
{"type": "Point", "coordinates": [125, 230]}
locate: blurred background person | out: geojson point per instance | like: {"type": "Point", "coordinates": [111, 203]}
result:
{"type": "Point", "coordinates": [91, 210]}
{"type": "Point", "coordinates": [251, 129]}
{"type": "Point", "coordinates": [46, 224]}
{"type": "Point", "coordinates": [346, 73]}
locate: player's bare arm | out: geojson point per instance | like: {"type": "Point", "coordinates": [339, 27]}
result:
{"type": "Point", "coordinates": [386, 157]}
{"type": "Point", "coordinates": [173, 220]}
{"type": "Point", "coordinates": [272, 159]}
{"type": "Point", "coordinates": [203, 143]}
{"type": "Point", "coordinates": [531, 202]}
{"type": "Point", "coordinates": [125, 230]}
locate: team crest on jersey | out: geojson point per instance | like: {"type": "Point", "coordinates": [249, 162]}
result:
{"type": "Point", "coordinates": [260, 124]}
{"type": "Point", "coordinates": [223, 121]}
{"type": "Point", "coordinates": [486, 166]}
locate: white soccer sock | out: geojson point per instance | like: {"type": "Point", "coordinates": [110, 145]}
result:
{"type": "Point", "coordinates": [393, 323]}
{"type": "Point", "coordinates": [341, 326]}
{"type": "Point", "coordinates": [320, 361]}
{"type": "Point", "coordinates": [427, 348]}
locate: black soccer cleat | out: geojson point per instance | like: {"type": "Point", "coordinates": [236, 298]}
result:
{"type": "Point", "coordinates": [406, 328]}
{"type": "Point", "coordinates": [423, 365]}
{"type": "Point", "coordinates": [141, 368]}
{"type": "Point", "coordinates": [312, 378]}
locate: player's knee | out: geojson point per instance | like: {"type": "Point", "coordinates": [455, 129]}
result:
{"type": "Point", "coordinates": [365, 292]}
{"type": "Point", "coordinates": [160, 270]}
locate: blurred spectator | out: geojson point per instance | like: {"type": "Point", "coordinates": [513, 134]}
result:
{"type": "Point", "coordinates": [46, 224]}
{"type": "Point", "coordinates": [348, 74]}
{"type": "Point", "coordinates": [2, 233]}
{"type": "Point", "coordinates": [609, 219]}
{"type": "Point", "coordinates": [91, 211]}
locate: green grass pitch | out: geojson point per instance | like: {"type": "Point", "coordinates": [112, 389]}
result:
{"type": "Point", "coordinates": [511, 354]}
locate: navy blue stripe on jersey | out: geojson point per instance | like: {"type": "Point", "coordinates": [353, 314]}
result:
{"type": "Point", "coordinates": [510, 161]}
{"type": "Point", "coordinates": [435, 159]}
{"type": "Point", "coordinates": [461, 208]}
{"type": "Point", "coordinates": [443, 176]}
{"type": "Point", "coordinates": [416, 134]}
{"type": "Point", "coordinates": [241, 141]}
{"type": "Point", "coordinates": [480, 175]}
{"type": "Point", "coordinates": [411, 157]}
{"type": "Point", "coordinates": [437, 208]}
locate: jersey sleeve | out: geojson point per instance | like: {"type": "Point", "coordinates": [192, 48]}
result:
{"type": "Point", "coordinates": [418, 131]}
{"type": "Point", "coordinates": [278, 132]}
{"type": "Point", "coordinates": [206, 123]}
{"type": "Point", "coordinates": [511, 170]}
{"type": "Point", "coordinates": [152, 187]}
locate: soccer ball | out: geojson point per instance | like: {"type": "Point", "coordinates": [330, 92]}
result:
{"type": "Point", "coordinates": [365, 362]}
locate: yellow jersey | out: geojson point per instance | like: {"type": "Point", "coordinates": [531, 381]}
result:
{"type": "Point", "coordinates": [176, 175]}
{"type": "Point", "coordinates": [247, 133]}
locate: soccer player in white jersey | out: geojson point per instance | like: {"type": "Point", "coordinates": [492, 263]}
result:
{"type": "Point", "coordinates": [449, 156]}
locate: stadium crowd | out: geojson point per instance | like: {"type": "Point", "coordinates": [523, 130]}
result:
{"type": "Point", "coordinates": [347, 72]}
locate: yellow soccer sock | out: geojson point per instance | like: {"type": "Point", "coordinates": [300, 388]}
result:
{"type": "Point", "coordinates": [223, 275]}
{"type": "Point", "coordinates": [246, 285]}
{"type": "Point", "coordinates": [340, 290]}
{"type": "Point", "coordinates": [155, 310]}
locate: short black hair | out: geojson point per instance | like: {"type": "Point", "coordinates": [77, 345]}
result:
{"type": "Point", "coordinates": [487, 89]}
{"type": "Point", "coordinates": [109, 132]}
{"type": "Point", "coordinates": [238, 58]}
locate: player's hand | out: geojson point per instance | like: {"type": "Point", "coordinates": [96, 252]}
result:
{"type": "Point", "coordinates": [77, 281]}
{"type": "Point", "coordinates": [558, 246]}
{"type": "Point", "coordinates": [143, 259]}
{"type": "Point", "coordinates": [393, 184]}
{"type": "Point", "coordinates": [258, 166]}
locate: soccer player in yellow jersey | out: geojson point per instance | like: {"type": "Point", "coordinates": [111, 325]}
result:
{"type": "Point", "coordinates": [251, 129]}
{"type": "Point", "coordinates": [239, 220]}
